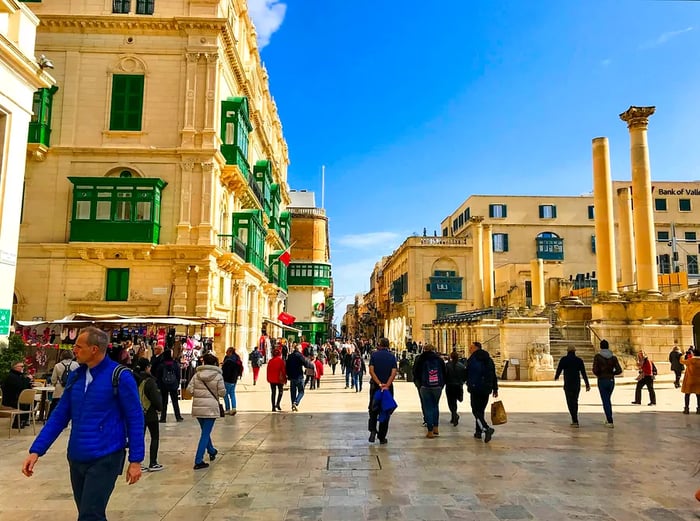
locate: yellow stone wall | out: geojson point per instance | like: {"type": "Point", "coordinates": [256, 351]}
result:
{"type": "Point", "coordinates": [193, 56]}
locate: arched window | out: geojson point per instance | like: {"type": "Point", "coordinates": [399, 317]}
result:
{"type": "Point", "coordinates": [550, 246]}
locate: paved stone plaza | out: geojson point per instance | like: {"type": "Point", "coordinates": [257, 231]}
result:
{"type": "Point", "coordinates": [317, 464]}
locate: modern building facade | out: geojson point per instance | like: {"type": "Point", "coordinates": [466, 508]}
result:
{"type": "Point", "coordinates": [163, 186]}
{"type": "Point", "coordinates": [21, 75]}
{"type": "Point", "coordinates": [310, 279]}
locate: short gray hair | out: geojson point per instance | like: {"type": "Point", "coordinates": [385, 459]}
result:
{"type": "Point", "coordinates": [96, 337]}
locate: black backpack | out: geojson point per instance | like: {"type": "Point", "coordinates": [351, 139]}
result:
{"type": "Point", "coordinates": [433, 374]}
{"type": "Point", "coordinates": [170, 379]}
{"type": "Point", "coordinates": [63, 379]}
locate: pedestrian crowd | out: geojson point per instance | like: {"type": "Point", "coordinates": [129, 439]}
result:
{"type": "Point", "coordinates": [110, 407]}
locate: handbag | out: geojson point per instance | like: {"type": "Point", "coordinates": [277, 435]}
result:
{"type": "Point", "coordinates": [498, 413]}
{"type": "Point", "coordinates": [221, 407]}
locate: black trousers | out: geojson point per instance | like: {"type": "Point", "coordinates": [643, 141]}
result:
{"type": "Point", "coordinates": [479, 401]}
{"type": "Point", "coordinates": [649, 382]}
{"type": "Point", "coordinates": [176, 405]}
{"type": "Point", "coordinates": [678, 372]}
{"type": "Point", "coordinates": [93, 483]}
{"type": "Point", "coordinates": [276, 389]}
{"type": "Point", "coordinates": [154, 431]}
{"type": "Point", "coordinates": [572, 394]}
{"type": "Point", "coordinates": [687, 400]}
{"type": "Point", "coordinates": [374, 425]}
{"type": "Point", "coordinates": [454, 393]}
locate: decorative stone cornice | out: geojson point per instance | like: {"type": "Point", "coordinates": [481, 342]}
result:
{"type": "Point", "coordinates": [477, 219]}
{"type": "Point", "coordinates": [637, 117]}
{"type": "Point", "coordinates": [115, 23]}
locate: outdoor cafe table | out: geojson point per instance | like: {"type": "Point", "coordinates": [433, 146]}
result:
{"type": "Point", "coordinates": [44, 390]}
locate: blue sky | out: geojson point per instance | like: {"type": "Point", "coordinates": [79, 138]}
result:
{"type": "Point", "coordinates": [414, 106]}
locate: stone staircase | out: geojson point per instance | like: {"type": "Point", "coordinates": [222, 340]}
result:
{"type": "Point", "coordinates": [559, 342]}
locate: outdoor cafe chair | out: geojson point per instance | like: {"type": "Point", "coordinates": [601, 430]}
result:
{"type": "Point", "coordinates": [26, 397]}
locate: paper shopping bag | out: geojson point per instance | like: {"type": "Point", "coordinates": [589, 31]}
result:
{"type": "Point", "coordinates": [498, 413]}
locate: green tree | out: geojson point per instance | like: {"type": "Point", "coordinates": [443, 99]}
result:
{"type": "Point", "coordinates": [13, 351]}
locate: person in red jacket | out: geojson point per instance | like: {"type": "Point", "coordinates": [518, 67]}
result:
{"type": "Point", "coordinates": [276, 377]}
{"type": "Point", "coordinates": [319, 372]}
{"type": "Point", "coordinates": [646, 377]}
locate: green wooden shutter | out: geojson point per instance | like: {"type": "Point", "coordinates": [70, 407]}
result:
{"type": "Point", "coordinates": [491, 211]}
{"type": "Point", "coordinates": [541, 211]}
{"type": "Point", "coordinates": [117, 284]}
{"type": "Point", "coordinates": [127, 102]}
{"type": "Point", "coordinates": [591, 215]}
{"type": "Point", "coordinates": [505, 211]}
{"type": "Point", "coordinates": [554, 212]}
{"type": "Point", "coordinates": [505, 242]}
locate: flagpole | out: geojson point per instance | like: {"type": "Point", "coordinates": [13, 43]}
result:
{"type": "Point", "coordinates": [323, 186]}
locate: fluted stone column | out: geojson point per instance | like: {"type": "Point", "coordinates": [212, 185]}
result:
{"type": "Point", "coordinates": [624, 238]}
{"type": "Point", "coordinates": [604, 220]}
{"type": "Point", "coordinates": [487, 249]}
{"type": "Point", "coordinates": [477, 262]}
{"type": "Point", "coordinates": [637, 119]}
{"type": "Point", "coordinates": [537, 279]}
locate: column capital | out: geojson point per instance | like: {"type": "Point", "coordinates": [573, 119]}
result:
{"type": "Point", "coordinates": [477, 219]}
{"type": "Point", "coordinates": [637, 117]}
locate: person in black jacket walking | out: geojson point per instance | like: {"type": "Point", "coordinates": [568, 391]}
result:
{"type": "Point", "coordinates": [676, 366]}
{"type": "Point", "coordinates": [573, 369]}
{"type": "Point", "coordinates": [455, 377]}
{"type": "Point", "coordinates": [148, 389]}
{"type": "Point", "coordinates": [481, 382]}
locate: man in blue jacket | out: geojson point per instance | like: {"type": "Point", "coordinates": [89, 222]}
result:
{"type": "Point", "coordinates": [106, 417]}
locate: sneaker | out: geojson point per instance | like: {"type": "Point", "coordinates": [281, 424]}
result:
{"type": "Point", "coordinates": [636, 403]}
{"type": "Point", "coordinates": [212, 457]}
{"type": "Point", "coordinates": [232, 412]}
{"type": "Point", "coordinates": [201, 465]}
{"type": "Point", "coordinates": [180, 419]}
{"type": "Point", "coordinates": [294, 407]}
{"type": "Point", "coordinates": [574, 425]}
{"type": "Point", "coordinates": [609, 425]}
{"type": "Point", "coordinates": [430, 434]}
{"type": "Point", "coordinates": [488, 433]}
{"type": "Point", "coordinates": [686, 411]}
{"type": "Point", "coordinates": [144, 468]}
{"type": "Point", "coordinates": [156, 467]}
{"type": "Point", "coordinates": [436, 431]}
{"type": "Point", "coordinates": [383, 441]}
{"type": "Point", "coordinates": [652, 403]}
{"type": "Point", "coordinates": [372, 436]}
{"type": "Point", "coordinates": [278, 408]}
{"type": "Point", "coordinates": [477, 435]}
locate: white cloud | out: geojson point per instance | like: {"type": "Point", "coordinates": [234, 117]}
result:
{"type": "Point", "coordinates": [605, 62]}
{"type": "Point", "coordinates": [368, 240]}
{"type": "Point", "coordinates": [267, 16]}
{"type": "Point", "coordinates": [665, 37]}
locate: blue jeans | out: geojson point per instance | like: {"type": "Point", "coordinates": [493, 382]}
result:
{"type": "Point", "coordinates": [357, 381]}
{"type": "Point", "coordinates": [348, 376]}
{"type": "Point", "coordinates": [93, 483]}
{"type": "Point", "coordinates": [606, 386]}
{"type": "Point", "coordinates": [296, 388]}
{"type": "Point", "coordinates": [205, 444]}
{"type": "Point", "coordinates": [430, 400]}
{"type": "Point", "coordinates": [230, 396]}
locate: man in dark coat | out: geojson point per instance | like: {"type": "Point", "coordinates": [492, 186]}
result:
{"type": "Point", "coordinates": [153, 398]}
{"type": "Point", "coordinates": [573, 369]}
{"type": "Point", "coordinates": [481, 383]}
{"type": "Point", "coordinates": [15, 382]}
{"type": "Point", "coordinates": [675, 358]}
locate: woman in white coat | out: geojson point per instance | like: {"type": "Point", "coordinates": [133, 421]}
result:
{"type": "Point", "coordinates": [206, 387]}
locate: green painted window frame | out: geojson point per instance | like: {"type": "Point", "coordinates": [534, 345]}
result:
{"type": "Point", "coordinates": [692, 265]}
{"type": "Point", "coordinates": [591, 212]}
{"type": "Point", "coordinates": [500, 242]}
{"type": "Point", "coordinates": [593, 244]}
{"type": "Point", "coordinates": [548, 211]}
{"type": "Point", "coordinates": [126, 108]}
{"type": "Point", "coordinates": [309, 274]}
{"type": "Point", "coordinates": [663, 236]}
{"type": "Point", "coordinates": [235, 132]}
{"type": "Point", "coordinates": [684, 205]}
{"type": "Point", "coordinates": [691, 236]}
{"type": "Point", "coordinates": [145, 6]}
{"type": "Point", "coordinates": [660, 205]}
{"type": "Point", "coordinates": [550, 246]}
{"type": "Point", "coordinates": [248, 228]}
{"type": "Point", "coordinates": [121, 6]}
{"type": "Point", "coordinates": [40, 123]}
{"type": "Point", "coordinates": [277, 270]}
{"type": "Point", "coordinates": [116, 209]}
{"type": "Point", "coordinates": [262, 171]}
{"type": "Point", "coordinates": [275, 200]}
{"type": "Point", "coordinates": [285, 228]}
{"type": "Point", "coordinates": [498, 211]}
{"type": "Point", "coordinates": [117, 285]}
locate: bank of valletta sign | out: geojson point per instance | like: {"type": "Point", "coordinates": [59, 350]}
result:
{"type": "Point", "coordinates": [680, 191]}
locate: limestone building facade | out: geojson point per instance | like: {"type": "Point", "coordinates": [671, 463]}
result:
{"type": "Point", "coordinates": [163, 186]}
{"type": "Point", "coordinates": [22, 74]}
{"type": "Point", "coordinates": [310, 279]}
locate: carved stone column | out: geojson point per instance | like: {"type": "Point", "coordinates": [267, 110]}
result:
{"type": "Point", "coordinates": [241, 313]}
{"type": "Point", "coordinates": [204, 228]}
{"type": "Point", "coordinates": [624, 238]}
{"type": "Point", "coordinates": [188, 129]}
{"type": "Point", "coordinates": [477, 262]}
{"type": "Point", "coordinates": [604, 220]}
{"type": "Point", "coordinates": [487, 249]}
{"type": "Point", "coordinates": [637, 119]}
{"type": "Point", "coordinates": [179, 291]}
{"type": "Point", "coordinates": [537, 279]}
{"type": "Point", "coordinates": [209, 132]}
{"type": "Point", "coordinates": [183, 226]}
